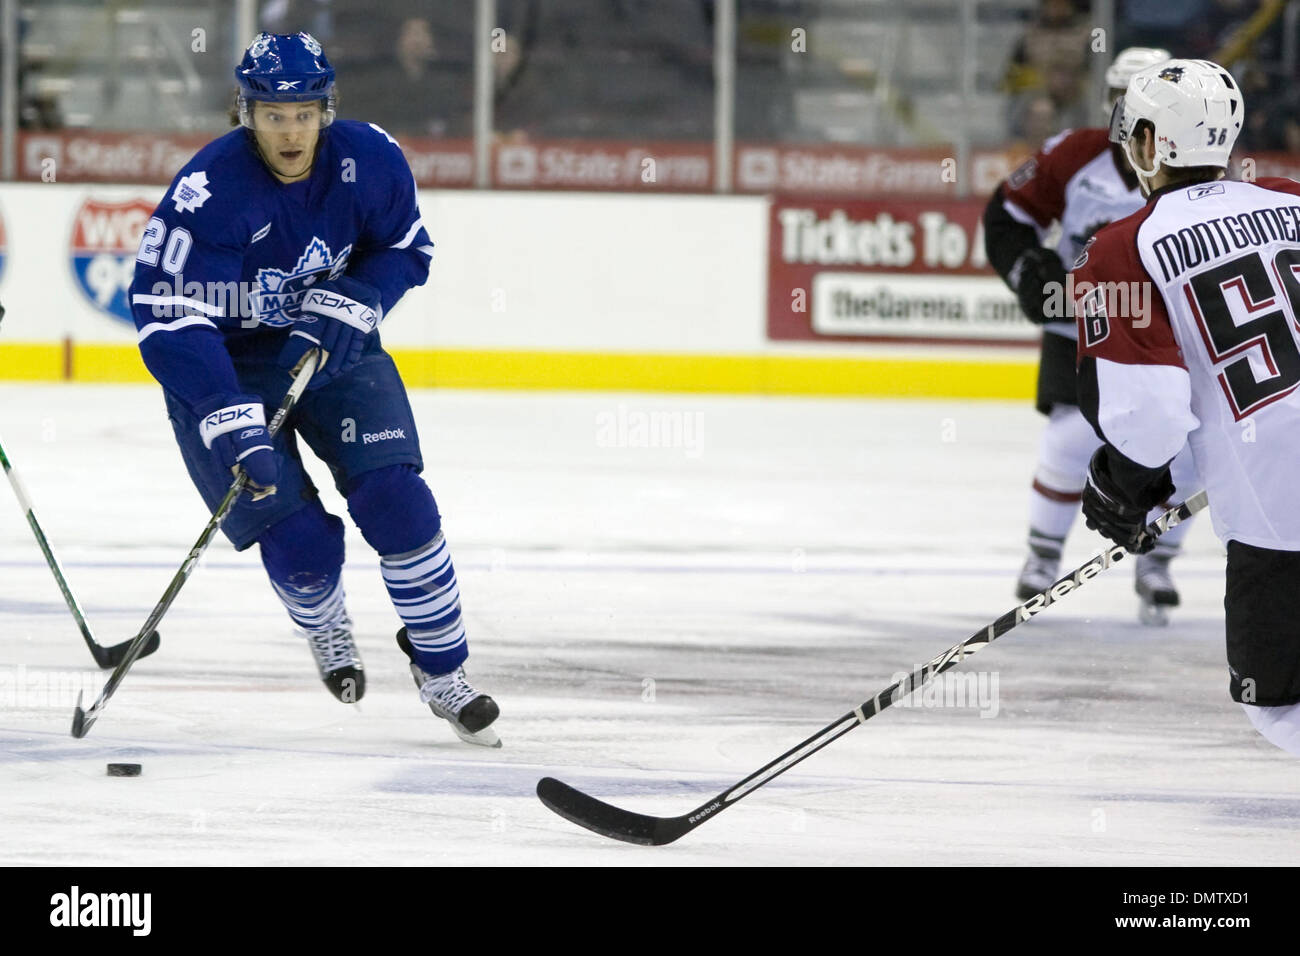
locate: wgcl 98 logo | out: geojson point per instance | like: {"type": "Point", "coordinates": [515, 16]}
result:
{"type": "Point", "coordinates": [105, 237]}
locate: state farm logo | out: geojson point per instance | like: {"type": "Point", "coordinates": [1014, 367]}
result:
{"type": "Point", "coordinates": [758, 169]}
{"type": "Point", "coordinates": [105, 238]}
{"type": "Point", "coordinates": [516, 165]}
{"type": "Point", "coordinates": [37, 149]}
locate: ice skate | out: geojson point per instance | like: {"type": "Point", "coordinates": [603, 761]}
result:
{"type": "Point", "coordinates": [338, 661]}
{"type": "Point", "coordinates": [451, 697]}
{"type": "Point", "coordinates": [1155, 588]}
{"type": "Point", "coordinates": [1039, 573]}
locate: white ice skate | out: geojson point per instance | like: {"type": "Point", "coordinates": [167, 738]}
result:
{"type": "Point", "coordinates": [453, 698]}
{"type": "Point", "coordinates": [1039, 573]}
{"type": "Point", "coordinates": [338, 661]}
{"type": "Point", "coordinates": [1155, 588]}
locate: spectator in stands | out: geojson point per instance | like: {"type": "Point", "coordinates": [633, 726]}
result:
{"type": "Point", "coordinates": [1273, 117]}
{"type": "Point", "coordinates": [617, 69]}
{"type": "Point", "coordinates": [40, 110]}
{"type": "Point", "coordinates": [416, 88]}
{"type": "Point", "coordinates": [1049, 67]}
{"type": "Point", "coordinates": [1160, 23]}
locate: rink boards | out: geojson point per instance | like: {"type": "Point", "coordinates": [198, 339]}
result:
{"type": "Point", "coordinates": [570, 290]}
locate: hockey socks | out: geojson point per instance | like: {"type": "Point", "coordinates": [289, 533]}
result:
{"type": "Point", "coordinates": [303, 555]}
{"type": "Point", "coordinates": [398, 517]}
{"type": "Point", "coordinates": [422, 585]}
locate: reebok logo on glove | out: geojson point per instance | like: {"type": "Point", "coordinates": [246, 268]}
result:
{"type": "Point", "coordinates": [335, 306]}
{"type": "Point", "coordinates": [229, 419]}
{"type": "Point", "coordinates": [226, 415]}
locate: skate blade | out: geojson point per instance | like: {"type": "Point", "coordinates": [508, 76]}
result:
{"type": "Point", "coordinates": [487, 737]}
{"type": "Point", "coordinates": [1153, 615]}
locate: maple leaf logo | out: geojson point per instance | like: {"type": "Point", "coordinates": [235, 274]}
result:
{"type": "Point", "coordinates": [281, 292]}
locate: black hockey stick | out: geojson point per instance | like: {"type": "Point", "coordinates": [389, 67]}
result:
{"type": "Point", "coordinates": [83, 720]}
{"type": "Point", "coordinates": [618, 824]}
{"type": "Point", "coordinates": [105, 657]}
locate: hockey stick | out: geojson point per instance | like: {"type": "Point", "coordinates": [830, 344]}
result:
{"type": "Point", "coordinates": [83, 720]}
{"type": "Point", "coordinates": [105, 657]}
{"type": "Point", "coordinates": [618, 824]}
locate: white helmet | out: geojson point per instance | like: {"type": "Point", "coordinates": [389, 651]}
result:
{"type": "Point", "coordinates": [1130, 61]}
{"type": "Point", "coordinates": [1195, 108]}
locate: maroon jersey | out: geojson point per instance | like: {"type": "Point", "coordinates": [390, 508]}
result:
{"type": "Point", "coordinates": [1075, 180]}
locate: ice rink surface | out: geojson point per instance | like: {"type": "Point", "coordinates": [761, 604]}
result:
{"type": "Point", "coordinates": [663, 593]}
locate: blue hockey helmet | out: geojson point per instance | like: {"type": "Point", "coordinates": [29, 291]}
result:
{"type": "Point", "coordinates": [285, 68]}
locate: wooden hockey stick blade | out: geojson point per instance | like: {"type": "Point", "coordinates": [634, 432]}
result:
{"type": "Point", "coordinates": [112, 656]}
{"type": "Point", "coordinates": [608, 820]}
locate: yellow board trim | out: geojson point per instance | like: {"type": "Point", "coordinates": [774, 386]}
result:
{"type": "Point", "coordinates": [30, 362]}
{"type": "Point", "coordinates": [618, 371]}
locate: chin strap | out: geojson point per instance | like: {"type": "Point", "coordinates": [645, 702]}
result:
{"type": "Point", "coordinates": [1144, 176]}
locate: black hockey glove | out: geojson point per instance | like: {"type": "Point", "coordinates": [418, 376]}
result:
{"type": "Point", "coordinates": [1032, 273]}
{"type": "Point", "coordinates": [1113, 511]}
{"type": "Point", "coordinates": [336, 316]}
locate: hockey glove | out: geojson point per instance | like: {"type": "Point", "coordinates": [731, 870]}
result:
{"type": "Point", "coordinates": [1112, 511]}
{"type": "Point", "coordinates": [1031, 275]}
{"type": "Point", "coordinates": [336, 316]}
{"type": "Point", "coordinates": [233, 427]}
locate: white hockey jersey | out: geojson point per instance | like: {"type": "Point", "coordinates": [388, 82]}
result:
{"type": "Point", "coordinates": [1074, 180]}
{"type": "Point", "coordinates": [1188, 316]}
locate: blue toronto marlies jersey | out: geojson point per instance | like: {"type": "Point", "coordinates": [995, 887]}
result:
{"type": "Point", "coordinates": [230, 252]}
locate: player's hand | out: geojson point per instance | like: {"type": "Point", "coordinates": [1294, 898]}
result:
{"type": "Point", "coordinates": [336, 316]}
{"type": "Point", "coordinates": [1108, 509]}
{"type": "Point", "coordinates": [1033, 273]}
{"type": "Point", "coordinates": [233, 427]}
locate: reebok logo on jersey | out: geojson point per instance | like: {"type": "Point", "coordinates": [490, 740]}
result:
{"type": "Point", "coordinates": [386, 435]}
{"type": "Point", "coordinates": [1205, 189]}
{"type": "Point", "coordinates": [288, 84]}
{"type": "Point", "coordinates": [191, 192]}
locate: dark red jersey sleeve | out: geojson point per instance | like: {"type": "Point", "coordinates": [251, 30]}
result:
{"type": "Point", "coordinates": [1037, 187]}
{"type": "Point", "coordinates": [1279, 184]}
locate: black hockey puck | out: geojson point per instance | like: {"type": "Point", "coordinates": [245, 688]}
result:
{"type": "Point", "coordinates": [124, 769]}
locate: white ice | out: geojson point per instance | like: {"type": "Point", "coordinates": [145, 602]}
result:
{"type": "Point", "coordinates": [656, 623]}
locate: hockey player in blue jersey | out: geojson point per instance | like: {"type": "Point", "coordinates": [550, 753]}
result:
{"type": "Point", "coordinates": [291, 233]}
